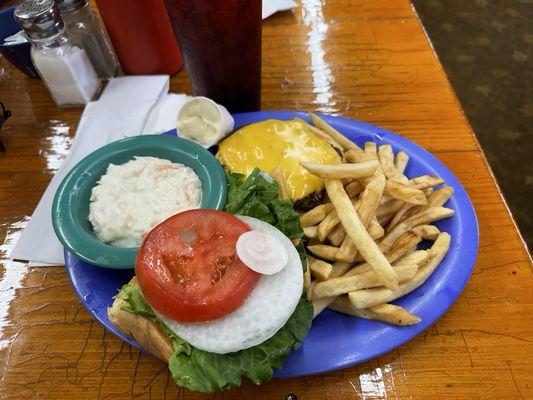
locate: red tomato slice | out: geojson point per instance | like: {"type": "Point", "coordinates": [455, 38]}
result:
{"type": "Point", "coordinates": [188, 269]}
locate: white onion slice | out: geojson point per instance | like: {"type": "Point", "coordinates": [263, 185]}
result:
{"type": "Point", "coordinates": [261, 252]}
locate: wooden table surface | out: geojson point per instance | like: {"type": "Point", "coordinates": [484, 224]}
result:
{"type": "Point", "coordinates": [369, 60]}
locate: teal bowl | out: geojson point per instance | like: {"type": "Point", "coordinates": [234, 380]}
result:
{"type": "Point", "coordinates": [70, 209]}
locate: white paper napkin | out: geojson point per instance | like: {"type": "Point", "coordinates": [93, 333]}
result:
{"type": "Point", "coordinates": [164, 115]}
{"type": "Point", "coordinates": [272, 6]}
{"type": "Point", "coordinates": [121, 111]}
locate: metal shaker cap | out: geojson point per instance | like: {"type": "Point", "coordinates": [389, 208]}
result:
{"type": "Point", "coordinates": [40, 19]}
{"type": "Point", "coordinates": [70, 5]}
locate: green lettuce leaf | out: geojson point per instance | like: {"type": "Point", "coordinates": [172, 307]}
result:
{"type": "Point", "coordinates": [208, 372]}
{"type": "Point", "coordinates": [257, 196]}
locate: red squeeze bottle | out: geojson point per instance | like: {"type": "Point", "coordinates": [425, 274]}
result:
{"type": "Point", "coordinates": [142, 36]}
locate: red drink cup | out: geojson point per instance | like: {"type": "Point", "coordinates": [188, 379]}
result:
{"type": "Point", "coordinates": [220, 41]}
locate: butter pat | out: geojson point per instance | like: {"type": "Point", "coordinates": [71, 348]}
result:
{"type": "Point", "coordinates": [204, 121]}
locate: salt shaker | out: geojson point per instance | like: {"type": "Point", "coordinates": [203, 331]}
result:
{"type": "Point", "coordinates": [64, 68]}
{"type": "Point", "coordinates": [87, 32]}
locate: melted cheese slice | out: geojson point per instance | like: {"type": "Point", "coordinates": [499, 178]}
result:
{"type": "Point", "coordinates": [270, 143]}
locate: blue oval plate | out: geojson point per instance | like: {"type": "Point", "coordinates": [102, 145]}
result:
{"type": "Point", "coordinates": [335, 340]}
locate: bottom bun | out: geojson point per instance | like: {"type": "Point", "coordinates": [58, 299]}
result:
{"type": "Point", "coordinates": [150, 336]}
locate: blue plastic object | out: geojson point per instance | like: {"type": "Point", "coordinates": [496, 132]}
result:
{"type": "Point", "coordinates": [335, 340]}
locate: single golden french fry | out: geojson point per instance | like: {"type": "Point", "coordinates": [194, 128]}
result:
{"type": "Point", "coordinates": [411, 250]}
{"type": "Point", "coordinates": [320, 269]}
{"type": "Point", "coordinates": [327, 225]}
{"type": "Point", "coordinates": [324, 251]}
{"type": "Point", "coordinates": [341, 171]}
{"type": "Point", "coordinates": [405, 193]}
{"type": "Point", "coordinates": [310, 232]}
{"type": "Point", "coordinates": [426, 232]}
{"type": "Point", "coordinates": [277, 174]}
{"type": "Point", "coordinates": [387, 211]}
{"type": "Point", "coordinates": [314, 216]}
{"type": "Point", "coordinates": [345, 284]}
{"type": "Point", "coordinates": [347, 251]}
{"type": "Point", "coordinates": [368, 204]}
{"type": "Point", "coordinates": [370, 297]}
{"type": "Point", "coordinates": [339, 268]}
{"type": "Point", "coordinates": [371, 150]}
{"type": "Point", "coordinates": [388, 313]}
{"type": "Point", "coordinates": [400, 161]}
{"type": "Point", "coordinates": [337, 236]}
{"type": "Point", "coordinates": [354, 188]}
{"type": "Point", "coordinates": [384, 219]}
{"type": "Point", "coordinates": [375, 230]}
{"type": "Point", "coordinates": [401, 215]}
{"type": "Point", "coordinates": [386, 160]}
{"type": "Point", "coordinates": [418, 257]}
{"type": "Point", "coordinates": [439, 197]}
{"type": "Point", "coordinates": [336, 135]}
{"type": "Point", "coordinates": [425, 181]}
{"type": "Point", "coordinates": [356, 156]}
{"type": "Point", "coordinates": [323, 135]}
{"type": "Point", "coordinates": [427, 216]}
{"type": "Point", "coordinates": [357, 232]}
{"type": "Point", "coordinates": [321, 304]}
{"type": "Point", "coordinates": [330, 222]}
{"type": "Point", "coordinates": [403, 245]}
{"type": "Point", "coordinates": [370, 199]}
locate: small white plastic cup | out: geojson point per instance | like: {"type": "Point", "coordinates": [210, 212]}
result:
{"type": "Point", "coordinates": [204, 121]}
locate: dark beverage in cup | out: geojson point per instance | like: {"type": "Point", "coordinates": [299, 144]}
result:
{"type": "Point", "coordinates": [220, 41]}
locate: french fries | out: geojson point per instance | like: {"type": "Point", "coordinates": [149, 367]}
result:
{"type": "Point", "coordinates": [322, 134]}
{"type": "Point", "coordinates": [427, 216]}
{"type": "Point", "coordinates": [345, 284]}
{"type": "Point", "coordinates": [336, 237]}
{"type": "Point", "coordinates": [339, 268]}
{"type": "Point", "coordinates": [400, 161]}
{"type": "Point", "coordinates": [316, 215]}
{"type": "Point", "coordinates": [327, 225]}
{"type": "Point", "coordinates": [389, 313]}
{"type": "Point", "coordinates": [356, 155]}
{"type": "Point", "coordinates": [310, 232]}
{"type": "Point", "coordinates": [354, 188]}
{"type": "Point", "coordinates": [405, 193]}
{"type": "Point", "coordinates": [357, 232]}
{"type": "Point", "coordinates": [370, 297]}
{"type": "Point", "coordinates": [336, 135]}
{"type": "Point", "coordinates": [324, 251]}
{"type": "Point", "coordinates": [425, 181]}
{"type": "Point", "coordinates": [320, 269]}
{"type": "Point", "coordinates": [386, 160]}
{"type": "Point", "coordinates": [341, 171]}
{"type": "Point", "coordinates": [364, 237]}
{"type": "Point", "coordinates": [439, 197]}
{"type": "Point", "coordinates": [426, 232]}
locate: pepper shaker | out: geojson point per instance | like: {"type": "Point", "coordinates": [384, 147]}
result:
{"type": "Point", "coordinates": [64, 68]}
{"type": "Point", "coordinates": [86, 31]}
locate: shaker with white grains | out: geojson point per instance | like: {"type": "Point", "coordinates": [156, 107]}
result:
{"type": "Point", "coordinates": [86, 31]}
{"type": "Point", "coordinates": [64, 68]}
